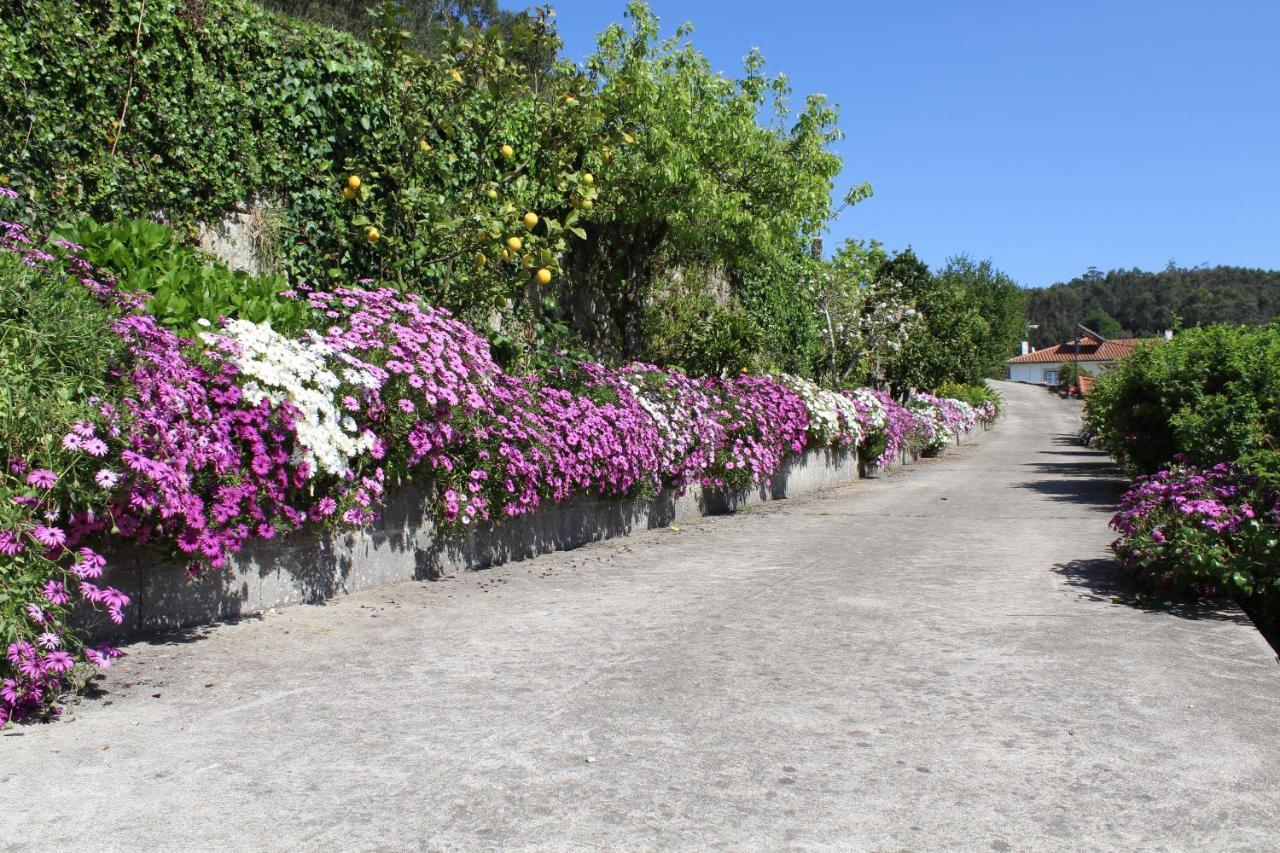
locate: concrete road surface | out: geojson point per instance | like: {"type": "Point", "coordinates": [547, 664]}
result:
{"type": "Point", "coordinates": [928, 660]}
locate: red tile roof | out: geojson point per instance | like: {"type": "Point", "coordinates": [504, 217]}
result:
{"type": "Point", "coordinates": [1091, 349]}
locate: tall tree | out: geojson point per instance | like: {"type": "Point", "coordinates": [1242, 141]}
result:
{"type": "Point", "coordinates": [1000, 306]}
{"type": "Point", "coordinates": [693, 174]}
{"type": "Point", "coordinates": [944, 346]}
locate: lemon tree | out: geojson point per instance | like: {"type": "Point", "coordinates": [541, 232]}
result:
{"type": "Point", "coordinates": [693, 176]}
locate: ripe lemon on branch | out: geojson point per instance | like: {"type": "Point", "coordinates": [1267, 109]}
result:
{"type": "Point", "coordinates": [530, 219]}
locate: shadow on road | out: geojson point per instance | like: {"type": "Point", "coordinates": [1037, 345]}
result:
{"type": "Point", "coordinates": [1101, 580]}
{"type": "Point", "coordinates": [1078, 475]}
{"type": "Point", "coordinates": [1077, 483]}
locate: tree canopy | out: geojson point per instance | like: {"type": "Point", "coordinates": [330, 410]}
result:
{"type": "Point", "coordinates": [1135, 303]}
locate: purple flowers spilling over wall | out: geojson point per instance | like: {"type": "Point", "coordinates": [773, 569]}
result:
{"type": "Point", "coordinates": [205, 445]}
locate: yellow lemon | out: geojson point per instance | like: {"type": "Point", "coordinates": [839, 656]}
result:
{"type": "Point", "coordinates": [348, 193]}
{"type": "Point", "coordinates": [587, 204]}
{"type": "Point", "coordinates": [481, 260]}
{"type": "Point", "coordinates": [456, 75]}
{"type": "Point", "coordinates": [354, 182]}
{"type": "Point", "coordinates": [506, 255]}
{"type": "Point", "coordinates": [527, 262]}
{"type": "Point", "coordinates": [492, 193]}
{"type": "Point", "coordinates": [588, 178]}
{"type": "Point", "coordinates": [372, 234]}
{"type": "Point", "coordinates": [543, 276]}
{"type": "Point", "coordinates": [424, 146]}
{"type": "Point", "coordinates": [514, 243]}
{"type": "Point", "coordinates": [507, 152]}
{"type": "Point", "coordinates": [530, 219]}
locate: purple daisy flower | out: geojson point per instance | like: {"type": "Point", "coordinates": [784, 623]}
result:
{"type": "Point", "coordinates": [48, 536]}
{"type": "Point", "coordinates": [94, 446]}
{"type": "Point", "coordinates": [42, 478]}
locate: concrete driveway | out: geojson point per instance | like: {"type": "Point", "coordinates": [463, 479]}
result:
{"type": "Point", "coordinates": [928, 660]}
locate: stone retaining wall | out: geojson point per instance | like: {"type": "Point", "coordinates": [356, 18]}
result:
{"type": "Point", "coordinates": [309, 567]}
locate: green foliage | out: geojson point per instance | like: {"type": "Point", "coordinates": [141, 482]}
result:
{"type": "Point", "coordinates": [791, 336]}
{"type": "Point", "coordinates": [201, 109]}
{"type": "Point", "coordinates": [1000, 308]}
{"type": "Point", "coordinates": [962, 324]}
{"type": "Point", "coordinates": [690, 330]}
{"type": "Point", "coordinates": [975, 395]}
{"type": "Point", "coordinates": [1068, 375]}
{"type": "Point", "coordinates": [693, 176]}
{"type": "Point", "coordinates": [862, 322]}
{"type": "Point", "coordinates": [643, 162]}
{"type": "Point", "coordinates": [428, 23]}
{"type": "Point", "coordinates": [220, 106]}
{"type": "Point", "coordinates": [1097, 319]}
{"type": "Point", "coordinates": [1143, 304]}
{"type": "Point", "coordinates": [185, 284]}
{"type": "Point", "coordinates": [1209, 395]}
{"type": "Point", "coordinates": [945, 345]}
{"type": "Point", "coordinates": [57, 352]}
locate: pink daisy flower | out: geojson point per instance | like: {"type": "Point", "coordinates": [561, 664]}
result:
{"type": "Point", "coordinates": [42, 478]}
{"type": "Point", "coordinates": [48, 536]}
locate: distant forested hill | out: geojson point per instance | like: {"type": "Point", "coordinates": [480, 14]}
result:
{"type": "Point", "coordinates": [1133, 303]}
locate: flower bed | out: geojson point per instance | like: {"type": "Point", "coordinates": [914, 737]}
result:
{"type": "Point", "coordinates": [1205, 531]}
{"type": "Point", "coordinates": [199, 447]}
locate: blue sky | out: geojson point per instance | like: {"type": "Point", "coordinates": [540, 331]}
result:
{"type": "Point", "coordinates": [1047, 136]}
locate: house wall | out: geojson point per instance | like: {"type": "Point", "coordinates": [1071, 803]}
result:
{"type": "Point", "coordinates": [1035, 373]}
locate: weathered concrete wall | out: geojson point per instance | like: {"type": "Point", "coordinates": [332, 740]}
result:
{"type": "Point", "coordinates": [309, 567]}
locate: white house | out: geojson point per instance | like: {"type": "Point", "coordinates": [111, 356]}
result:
{"type": "Point", "coordinates": [1091, 351]}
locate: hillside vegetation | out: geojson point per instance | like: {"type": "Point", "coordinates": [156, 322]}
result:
{"type": "Point", "coordinates": [1138, 304]}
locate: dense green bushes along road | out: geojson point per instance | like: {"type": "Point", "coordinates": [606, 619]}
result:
{"type": "Point", "coordinates": [1198, 418]}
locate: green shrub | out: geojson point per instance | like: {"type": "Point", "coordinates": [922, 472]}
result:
{"type": "Point", "coordinates": [57, 352]}
{"type": "Point", "coordinates": [975, 395]}
{"type": "Point", "coordinates": [219, 103]}
{"type": "Point", "coordinates": [1068, 376]}
{"type": "Point", "coordinates": [692, 331]}
{"type": "Point", "coordinates": [1210, 395]}
{"type": "Point", "coordinates": [185, 284]}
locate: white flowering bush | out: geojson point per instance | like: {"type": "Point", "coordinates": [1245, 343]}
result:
{"type": "Point", "coordinates": [834, 419]}
{"type": "Point", "coordinates": [298, 372]}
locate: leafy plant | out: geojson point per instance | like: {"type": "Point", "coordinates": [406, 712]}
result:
{"type": "Point", "coordinates": [1210, 395]}
{"type": "Point", "coordinates": [57, 354]}
{"type": "Point", "coordinates": [977, 396]}
{"type": "Point", "coordinates": [688, 329]}
{"type": "Point", "coordinates": [185, 285]}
